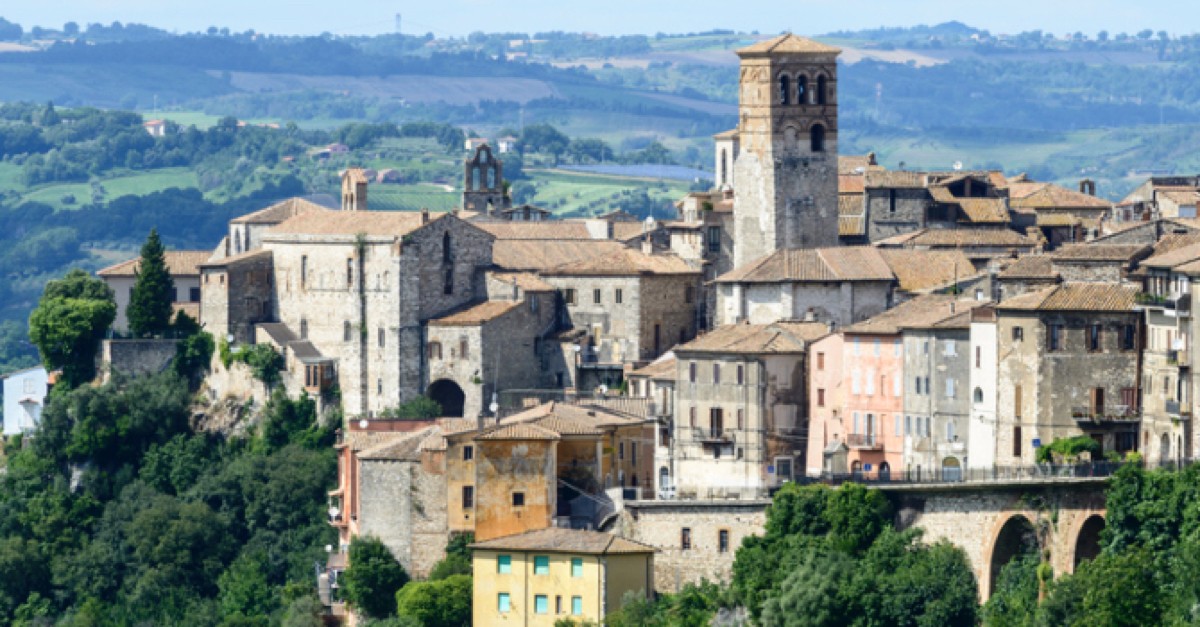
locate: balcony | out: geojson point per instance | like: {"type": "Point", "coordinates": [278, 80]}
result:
{"type": "Point", "coordinates": [1179, 410]}
{"type": "Point", "coordinates": [715, 437]}
{"type": "Point", "coordinates": [1180, 357]}
{"type": "Point", "coordinates": [1170, 304]}
{"type": "Point", "coordinates": [863, 442]}
{"type": "Point", "coordinates": [1106, 414]}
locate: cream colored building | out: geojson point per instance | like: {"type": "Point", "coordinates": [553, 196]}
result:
{"type": "Point", "coordinates": [184, 267]}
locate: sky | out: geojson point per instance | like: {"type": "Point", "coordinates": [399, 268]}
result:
{"type": "Point", "coordinates": [459, 17]}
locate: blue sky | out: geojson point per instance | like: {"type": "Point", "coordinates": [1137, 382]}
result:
{"type": "Point", "coordinates": [457, 17]}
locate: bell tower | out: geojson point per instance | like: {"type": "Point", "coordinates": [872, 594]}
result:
{"type": "Point", "coordinates": [786, 168]}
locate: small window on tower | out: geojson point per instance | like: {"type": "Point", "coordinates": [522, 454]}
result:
{"type": "Point", "coordinates": [784, 89]}
{"type": "Point", "coordinates": [817, 138]}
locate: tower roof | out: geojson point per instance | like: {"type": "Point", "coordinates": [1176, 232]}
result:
{"type": "Point", "coordinates": [786, 44]}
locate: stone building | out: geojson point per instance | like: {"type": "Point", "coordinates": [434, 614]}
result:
{"type": "Point", "coordinates": [245, 232]}
{"type": "Point", "coordinates": [1068, 365]}
{"type": "Point", "coordinates": [182, 265]}
{"type": "Point", "coordinates": [785, 168]}
{"type": "Point", "coordinates": [703, 235]}
{"type": "Point", "coordinates": [656, 382]}
{"type": "Point", "coordinates": [1028, 273]}
{"type": "Point", "coordinates": [984, 383]}
{"type": "Point", "coordinates": [981, 245]}
{"type": "Point", "coordinates": [1062, 215]}
{"type": "Point", "coordinates": [740, 408]}
{"type": "Point", "coordinates": [1159, 197]}
{"type": "Point", "coordinates": [1101, 262]}
{"type": "Point", "coordinates": [900, 202]}
{"type": "Point", "coordinates": [484, 189]}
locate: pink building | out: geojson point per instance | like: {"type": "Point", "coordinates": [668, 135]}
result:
{"type": "Point", "coordinates": [826, 434]}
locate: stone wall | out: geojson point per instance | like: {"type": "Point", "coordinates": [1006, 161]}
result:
{"type": "Point", "coordinates": [893, 211]}
{"type": "Point", "coordinates": [926, 358]}
{"type": "Point", "coordinates": [660, 524]}
{"type": "Point", "coordinates": [135, 357]}
{"type": "Point", "coordinates": [403, 503]}
{"type": "Point", "coordinates": [763, 303]}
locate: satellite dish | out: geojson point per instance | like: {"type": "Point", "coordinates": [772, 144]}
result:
{"type": "Point", "coordinates": [362, 424]}
{"type": "Point", "coordinates": [957, 166]}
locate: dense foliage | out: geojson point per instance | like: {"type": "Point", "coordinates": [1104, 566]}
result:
{"type": "Point", "coordinates": [150, 304]}
{"type": "Point", "coordinates": [69, 322]}
{"type": "Point", "coordinates": [371, 583]}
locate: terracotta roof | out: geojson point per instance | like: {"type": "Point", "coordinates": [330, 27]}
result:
{"type": "Point", "coordinates": [1099, 252]}
{"type": "Point", "coordinates": [961, 237]}
{"type": "Point", "coordinates": [568, 420]}
{"type": "Point", "coordinates": [921, 312]}
{"type": "Point", "coordinates": [851, 183]}
{"type": "Point", "coordinates": [917, 270]}
{"type": "Point", "coordinates": [756, 339]}
{"type": "Point", "coordinates": [407, 448]}
{"type": "Point", "coordinates": [857, 164]}
{"type": "Point", "coordinates": [894, 178]}
{"type": "Point", "coordinates": [541, 230]}
{"type": "Point", "coordinates": [1182, 197]}
{"type": "Point", "coordinates": [662, 368]}
{"type": "Point", "coordinates": [518, 431]}
{"type": "Point", "coordinates": [1056, 218]}
{"type": "Point", "coordinates": [1051, 196]}
{"type": "Point", "coordinates": [557, 540]}
{"type": "Point", "coordinates": [1174, 257]}
{"type": "Point", "coordinates": [475, 314]}
{"type": "Point", "coordinates": [850, 263]}
{"type": "Point", "coordinates": [624, 262]}
{"type": "Point", "coordinates": [545, 254]}
{"type": "Point", "coordinates": [730, 134]}
{"type": "Point", "coordinates": [1076, 297]}
{"type": "Point", "coordinates": [786, 44]}
{"type": "Point", "coordinates": [179, 263]}
{"type": "Point", "coordinates": [279, 212]}
{"type": "Point", "coordinates": [381, 223]}
{"type": "Point", "coordinates": [363, 440]}
{"type": "Point", "coordinates": [984, 210]}
{"type": "Point", "coordinates": [233, 260]}
{"type": "Point", "coordinates": [1030, 267]}
{"type": "Point", "coordinates": [527, 281]}
{"type": "Point", "coordinates": [191, 309]}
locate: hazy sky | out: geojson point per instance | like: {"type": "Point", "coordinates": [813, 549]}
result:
{"type": "Point", "coordinates": [457, 17]}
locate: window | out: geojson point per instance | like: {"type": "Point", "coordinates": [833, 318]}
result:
{"type": "Point", "coordinates": [382, 337]}
{"type": "Point", "coordinates": [856, 430]}
{"type": "Point", "coordinates": [871, 382]}
{"type": "Point", "coordinates": [877, 345]}
{"type": "Point", "coordinates": [468, 496]}
{"type": "Point", "coordinates": [856, 344]}
{"type": "Point", "coordinates": [464, 348]}
{"type": "Point", "coordinates": [518, 499]}
{"type": "Point", "coordinates": [504, 564]}
{"type": "Point", "coordinates": [577, 606]}
{"type": "Point", "coordinates": [379, 386]}
{"type": "Point", "coordinates": [503, 603]}
{"type": "Point", "coordinates": [950, 437]}
{"type": "Point", "coordinates": [820, 361]}
{"type": "Point", "coordinates": [633, 455]}
{"type": "Point", "coordinates": [716, 373]}
{"type": "Point", "coordinates": [1017, 401]}
{"type": "Point", "coordinates": [928, 390]}
{"type": "Point", "coordinates": [723, 541]}
{"type": "Point", "coordinates": [978, 395]}
{"type": "Point", "coordinates": [448, 285]}
{"type": "Point", "coordinates": [714, 239]}
{"type": "Point", "coordinates": [569, 295]}
{"type": "Point", "coordinates": [194, 294]}
{"type": "Point", "coordinates": [558, 604]}
{"type": "Point", "coordinates": [620, 450]}
{"type": "Point", "coordinates": [801, 89]}
{"type": "Point", "coordinates": [350, 273]}
{"type": "Point", "coordinates": [908, 425]}
{"type": "Point", "coordinates": [896, 347]}
{"type": "Point", "coordinates": [716, 421]}
{"type": "Point", "coordinates": [618, 296]}
{"type": "Point", "coordinates": [897, 387]}
{"type": "Point", "coordinates": [577, 567]}
{"type": "Point", "coordinates": [692, 417]}
{"type": "Point", "coordinates": [1128, 337]}
{"type": "Point", "coordinates": [435, 350]}
{"type": "Point", "coordinates": [692, 372]}
{"type": "Point", "coordinates": [917, 382]}
{"type": "Point", "coordinates": [685, 538]}
{"type": "Point", "coordinates": [817, 138]}
{"type": "Point", "coordinates": [1054, 337]}
{"type": "Point", "coordinates": [822, 95]}
{"type": "Point", "coordinates": [303, 329]}
{"type": "Point", "coordinates": [820, 397]}
{"type": "Point", "coordinates": [468, 453]}
{"type": "Point", "coordinates": [785, 88]}
{"type": "Point", "coordinates": [1018, 334]}
{"type": "Point", "coordinates": [950, 388]}
{"type": "Point", "coordinates": [741, 374]}
{"type": "Point", "coordinates": [346, 331]}
{"type": "Point", "coordinates": [978, 355]}
{"type": "Point", "coordinates": [541, 564]}
{"type": "Point", "coordinates": [596, 296]}
{"type": "Point", "coordinates": [741, 419]}
{"type": "Point", "coordinates": [951, 348]}
{"type": "Point", "coordinates": [303, 270]}
{"type": "Point", "coordinates": [891, 201]}
{"type": "Point", "coordinates": [541, 604]}
{"type": "Point", "coordinates": [1016, 441]}
{"type": "Point", "coordinates": [896, 421]}
{"type": "Point", "coordinates": [447, 252]}
{"type": "Point", "coordinates": [855, 388]}
{"type": "Point", "coordinates": [1094, 338]}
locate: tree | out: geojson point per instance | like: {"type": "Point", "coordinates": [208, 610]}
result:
{"type": "Point", "coordinates": [457, 560]}
{"type": "Point", "coordinates": [69, 322]}
{"type": "Point", "coordinates": [244, 589]}
{"type": "Point", "coordinates": [373, 578]}
{"type": "Point", "coordinates": [149, 310]}
{"type": "Point", "coordinates": [814, 593]}
{"type": "Point", "coordinates": [442, 603]}
{"type": "Point", "coordinates": [1014, 601]}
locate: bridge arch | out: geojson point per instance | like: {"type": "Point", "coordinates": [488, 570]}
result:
{"type": "Point", "coordinates": [1085, 539]}
{"type": "Point", "coordinates": [449, 395]}
{"type": "Point", "coordinates": [1014, 535]}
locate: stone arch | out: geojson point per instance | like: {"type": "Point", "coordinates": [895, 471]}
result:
{"type": "Point", "coordinates": [1086, 541]}
{"type": "Point", "coordinates": [822, 95]}
{"type": "Point", "coordinates": [449, 395]}
{"type": "Point", "coordinates": [816, 137]}
{"type": "Point", "coordinates": [1164, 448]}
{"type": "Point", "coordinates": [951, 469]}
{"type": "Point", "coordinates": [801, 89]}
{"type": "Point", "coordinates": [785, 87]}
{"type": "Point", "coordinates": [1013, 535]}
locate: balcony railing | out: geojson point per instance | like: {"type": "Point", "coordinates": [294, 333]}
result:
{"type": "Point", "coordinates": [715, 437]}
{"type": "Point", "coordinates": [1107, 413]}
{"type": "Point", "coordinates": [863, 441]}
{"type": "Point", "coordinates": [1178, 410]}
{"type": "Point", "coordinates": [1181, 357]}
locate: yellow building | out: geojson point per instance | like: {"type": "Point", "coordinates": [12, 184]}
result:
{"type": "Point", "coordinates": [538, 577]}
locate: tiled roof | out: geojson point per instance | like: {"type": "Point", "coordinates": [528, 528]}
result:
{"type": "Point", "coordinates": [517, 431]}
{"type": "Point", "coordinates": [857, 164]}
{"type": "Point", "coordinates": [851, 183]}
{"type": "Point", "coordinates": [475, 314]}
{"type": "Point", "coordinates": [1099, 252]}
{"type": "Point", "coordinates": [756, 339]}
{"type": "Point", "coordinates": [233, 260]}
{"type": "Point", "coordinates": [917, 270]}
{"type": "Point", "coordinates": [1182, 198]}
{"type": "Point", "coordinates": [961, 237]}
{"type": "Point", "coordinates": [662, 368]}
{"type": "Point", "coordinates": [568, 420]}
{"type": "Point", "coordinates": [1051, 196]}
{"type": "Point", "coordinates": [894, 178]}
{"type": "Point", "coordinates": [545, 254]}
{"type": "Point", "coordinates": [381, 223]}
{"type": "Point", "coordinates": [541, 230]}
{"type": "Point", "coordinates": [179, 263]}
{"type": "Point", "coordinates": [279, 212]}
{"type": "Point", "coordinates": [558, 540]}
{"type": "Point", "coordinates": [1030, 267]}
{"type": "Point", "coordinates": [192, 310]}
{"type": "Point", "coordinates": [624, 262]}
{"type": "Point", "coordinates": [1076, 297]}
{"type": "Point", "coordinates": [730, 134]}
{"type": "Point", "coordinates": [1056, 218]}
{"type": "Point", "coordinates": [1173, 257]}
{"type": "Point", "coordinates": [785, 44]}
{"type": "Point", "coordinates": [984, 210]}
{"type": "Point", "coordinates": [407, 448]}
{"type": "Point", "coordinates": [527, 281]}
{"type": "Point", "coordinates": [921, 312]}
{"type": "Point", "coordinates": [850, 263]}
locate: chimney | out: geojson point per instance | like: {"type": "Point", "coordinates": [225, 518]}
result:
{"type": "Point", "coordinates": [609, 229]}
{"type": "Point", "coordinates": [810, 315]}
{"type": "Point", "coordinates": [951, 306]}
{"type": "Point", "coordinates": [424, 215]}
{"type": "Point", "coordinates": [647, 245]}
{"type": "Point", "coordinates": [727, 193]}
{"type": "Point", "coordinates": [1087, 186]}
{"type": "Point", "coordinates": [871, 159]}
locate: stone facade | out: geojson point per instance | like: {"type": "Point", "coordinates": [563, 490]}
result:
{"type": "Point", "coordinates": [842, 303]}
{"type": "Point", "coordinates": [237, 293]}
{"type": "Point", "coordinates": [134, 357]}
{"type": "Point", "coordinates": [786, 166]}
{"type": "Point", "coordinates": [939, 359]}
{"type": "Point", "coordinates": [403, 503]}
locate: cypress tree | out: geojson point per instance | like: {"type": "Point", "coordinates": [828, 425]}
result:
{"type": "Point", "coordinates": [149, 310]}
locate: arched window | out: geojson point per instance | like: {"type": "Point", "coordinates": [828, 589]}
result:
{"type": "Point", "coordinates": [817, 138]}
{"type": "Point", "coordinates": [978, 395]}
{"type": "Point", "coordinates": [446, 247]}
{"type": "Point", "coordinates": [802, 89]}
{"type": "Point", "coordinates": [784, 89]}
{"type": "Point", "coordinates": [822, 97]}
{"type": "Point", "coordinates": [476, 178]}
{"type": "Point", "coordinates": [448, 285]}
{"type": "Point", "coordinates": [723, 179]}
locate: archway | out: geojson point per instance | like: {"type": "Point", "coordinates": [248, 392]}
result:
{"type": "Point", "coordinates": [1015, 539]}
{"type": "Point", "coordinates": [1087, 543]}
{"type": "Point", "coordinates": [885, 472]}
{"type": "Point", "coordinates": [951, 469]}
{"type": "Point", "coordinates": [1164, 449]}
{"type": "Point", "coordinates": [449, 395]}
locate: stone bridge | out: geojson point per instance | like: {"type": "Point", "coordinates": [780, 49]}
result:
{"type": "Point", "coordinates": [995, 521]}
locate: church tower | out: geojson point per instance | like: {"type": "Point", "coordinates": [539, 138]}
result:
{"type": "Point", "coordinates": [483, 185]}
{"type": "Point", "coordinates": [787, 160]}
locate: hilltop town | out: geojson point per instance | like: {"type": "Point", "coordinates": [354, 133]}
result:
{"type": "Point", "coordinates": [613, 402]}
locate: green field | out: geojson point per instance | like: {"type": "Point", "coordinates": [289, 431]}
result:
{"type": "Point", "coordinates": [125, 184]}
{"type": "Point", "coordinates": [572, 194]}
